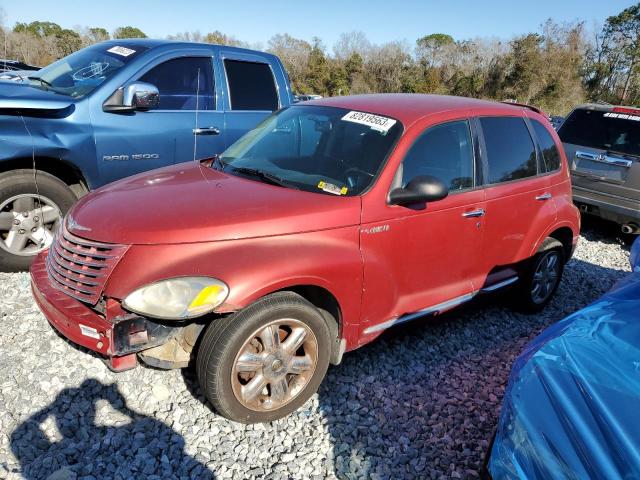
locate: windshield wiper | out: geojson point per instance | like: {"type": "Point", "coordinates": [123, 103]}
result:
{"type": "Point", "coordinates": [41, 80]}
{"type": "Point", "coordinates": [266, 176]}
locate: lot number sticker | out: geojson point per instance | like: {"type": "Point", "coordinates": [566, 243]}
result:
{"type": "Point", "coordinates": [375, 122]}
{"type": "Point", "coordinates": [122, 51]}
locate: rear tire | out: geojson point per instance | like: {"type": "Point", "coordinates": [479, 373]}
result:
{"type": "Point", "coordinates": [265, 361]}
{"type": "Point", "coordinates": [21, 241]}
{"type": "Point", "coordinates": [540, 278]}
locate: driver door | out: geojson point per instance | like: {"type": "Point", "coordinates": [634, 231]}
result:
{"type": "Point", "coordinates": [186, 124]}
{"type": "Point", "coordinates": [420, 257]}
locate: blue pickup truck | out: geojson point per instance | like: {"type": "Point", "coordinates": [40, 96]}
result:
{"type": "Point", "coordinates": [116, 109]}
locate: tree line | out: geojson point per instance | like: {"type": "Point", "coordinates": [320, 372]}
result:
{"type": "Point", "coordinates": [555, 68]}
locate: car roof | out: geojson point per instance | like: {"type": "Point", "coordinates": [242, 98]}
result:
{"type": "Point", "coordinates": [153, 43]}
{"type": "Point", "coordinates": [409, 107]}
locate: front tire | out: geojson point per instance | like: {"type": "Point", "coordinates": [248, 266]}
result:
{"type": "Point", "coordinates": [28, 216]}
{"type": "Point", "coordinates": [265, 361]}
{"type": "Point", "coordinates": [541, 277]}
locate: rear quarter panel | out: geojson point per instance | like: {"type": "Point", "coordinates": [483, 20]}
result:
{"type": "Point", "coordinates": [255, 267]}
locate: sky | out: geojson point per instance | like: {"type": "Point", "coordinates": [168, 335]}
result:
{"type": "Point", "coordinates": [256, 21]}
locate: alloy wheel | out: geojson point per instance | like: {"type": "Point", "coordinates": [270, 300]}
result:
{"type": "Point", "coordinates": [274, 365]}
{"type": "Point", "coordinates": [28, 223]}
{"type": "Point", "coordinates": [545, 277]}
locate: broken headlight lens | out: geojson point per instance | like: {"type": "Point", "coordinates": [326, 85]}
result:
{"type": "Point", "coordinates": [177, 298]}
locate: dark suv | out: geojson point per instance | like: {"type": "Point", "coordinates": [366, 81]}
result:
{"type": "Point", "coordinates": [602, 143]}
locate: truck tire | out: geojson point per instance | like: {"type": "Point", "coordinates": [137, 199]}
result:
{"type": "Point", "coordinates": [540, 278]}
{"type": "Point", "coordinates": [265, 361]}
{"type": "Point", "coordinates": [26, 225]}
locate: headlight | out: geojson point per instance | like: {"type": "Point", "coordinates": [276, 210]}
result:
{"type": "Point", "coordinates": [177, 298]}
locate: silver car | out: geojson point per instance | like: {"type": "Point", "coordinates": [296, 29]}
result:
{"type": "Point", "coordinates": [602, 143]}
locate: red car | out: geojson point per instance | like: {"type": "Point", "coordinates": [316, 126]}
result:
{"type": "Point", "coordinates": [330, 222]}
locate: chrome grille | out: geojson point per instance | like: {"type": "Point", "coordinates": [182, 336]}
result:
{"type": "Point", "coordinates": [80, 267]}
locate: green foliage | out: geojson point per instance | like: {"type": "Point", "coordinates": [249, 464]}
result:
{"type": "Point", "coordinates": [128, 32]}
{"type": "Point", "coordinates": [219, 38]}
{"type": "Point", "coordinates": [318, 75]}
{"type": "Point", "coordinates": [98, 34]}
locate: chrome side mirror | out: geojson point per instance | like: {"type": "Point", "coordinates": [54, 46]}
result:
{"type": "Point", "coordinates": [133, 96]}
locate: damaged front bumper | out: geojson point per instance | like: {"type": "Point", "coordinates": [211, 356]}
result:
{"type": "Point", "coordinates": [117, 335]}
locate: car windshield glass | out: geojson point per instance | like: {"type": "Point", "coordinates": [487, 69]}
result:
{"type": "Point", "coordinates": [83, 71]}
{"type": "Point", "coordinates": [610, 131]}
{"type": "Point", "coordinates": [327, 150]}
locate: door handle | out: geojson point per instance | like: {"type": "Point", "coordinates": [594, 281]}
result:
{"type": "Point", "coordinates": [544, 196]}
{"type": "Point", "coordinates": [206, 131]}
{"type": "Point", "coordinates": [474, 213]}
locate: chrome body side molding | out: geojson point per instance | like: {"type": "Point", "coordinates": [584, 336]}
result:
{"type": "Point", "coordinates": [439, 308]}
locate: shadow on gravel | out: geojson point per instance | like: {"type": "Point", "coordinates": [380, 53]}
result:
{"type": "Point", "coordinates": [130, 445]}
{"type": "Point", "coordinates": [423, 400]}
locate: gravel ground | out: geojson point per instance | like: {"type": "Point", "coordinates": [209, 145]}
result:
{"type": "Point", "coordinates": [421, 402]}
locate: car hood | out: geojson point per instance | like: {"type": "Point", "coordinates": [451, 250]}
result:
{"type": "Point", "coordinates": [21, 97]}
{"type": "Point", "coordinates": [190, 202]}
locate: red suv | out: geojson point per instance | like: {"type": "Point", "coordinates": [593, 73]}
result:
{"type": "Point", "coordinates": [330, 222]}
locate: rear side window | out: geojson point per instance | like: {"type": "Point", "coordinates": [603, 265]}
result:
{"type": "Point", "coordinates": [550, 153]}
{"type": "Point", "coordinates": [251, 86]}
{"type": "Point", "coordinates": [617, 132]}
{"type": "Point", "coordinates": [511, 154]}
{"type": "Point", "coordinates": [445, 152]}
{"type": "Point", "coordinates": [184, 83]}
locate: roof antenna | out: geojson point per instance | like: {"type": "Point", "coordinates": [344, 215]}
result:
{"type": "Point", "coordinates": [195, 128]}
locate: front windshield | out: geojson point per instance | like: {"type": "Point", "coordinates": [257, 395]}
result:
{"type": "Point", "coordinates": [327, 150]}
{"type": "Point", "coordinates": [83, 71]}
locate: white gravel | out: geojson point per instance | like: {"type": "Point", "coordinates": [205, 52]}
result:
{"type": "Point", "coordinates": [421, 402]}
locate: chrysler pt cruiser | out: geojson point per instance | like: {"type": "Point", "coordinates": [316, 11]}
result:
{"type": "Point", "coordinates": [329, 223]}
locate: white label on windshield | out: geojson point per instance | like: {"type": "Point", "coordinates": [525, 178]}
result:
{"type": "Point", "coordinates": [125, 52]}
{"type": "Point", "coordinates": [375, 122]}
{"type": "Point", "coordinates": [622, 116]}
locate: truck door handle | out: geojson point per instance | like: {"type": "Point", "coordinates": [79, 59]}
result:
{"type": "Point", "coordinates": [544, 196]}
{"type": "Point", "coordinates": [474, 213]}
{"type": "Point", "coordinates": [206, 131]}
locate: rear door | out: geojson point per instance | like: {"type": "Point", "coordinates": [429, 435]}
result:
{"type": "Point", "coordinates": [519, 200]}
{"type": "Point", "coordinates": [603, 150]}
{"type": "Point", "coordinates": [252, 92]}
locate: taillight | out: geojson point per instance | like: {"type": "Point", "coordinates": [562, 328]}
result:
{"type": "Point", "coordinates": [632, 111]}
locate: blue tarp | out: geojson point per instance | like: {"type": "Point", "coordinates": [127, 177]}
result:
{"type": "Point", "coordinates": [572, 406]}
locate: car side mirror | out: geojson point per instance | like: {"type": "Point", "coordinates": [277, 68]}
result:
{"type": "Point", "coordinates": [133, 96]}
{"type": "Point", "coordinates": [421, 189]}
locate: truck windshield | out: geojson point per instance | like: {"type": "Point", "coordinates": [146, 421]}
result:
{"type": "Point", "coordinates": [320, 149]}
{"type": "Point", "coordinates": [83, 71]}
{"type": "Point", "coordinates": [609, 131]}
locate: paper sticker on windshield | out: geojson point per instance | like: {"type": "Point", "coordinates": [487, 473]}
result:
{"type": "Point", "coordinates": [375, 122]}
{"type": "Point", "coordinates": [123, 51]}
{"type": "Point", "coordinates": [331, 188]}
{"type": "Point", "coordinates": [622, 116]}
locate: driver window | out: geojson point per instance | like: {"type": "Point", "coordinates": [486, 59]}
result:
{"type": "Point", "coordinates": [445, 152]}
{"type": "Point", "coordinates": [184, 83]}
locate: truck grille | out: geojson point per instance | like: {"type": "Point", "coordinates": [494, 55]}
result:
{"type": "Point", "coordinates": [80, 267]}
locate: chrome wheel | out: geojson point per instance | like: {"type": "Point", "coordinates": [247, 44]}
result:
{"type": "Point", "coordinates": [27, 224]}
{"type": "Point", "coordinates": [545, 277]}
{"type": "Point", "coordinates": [274, 365]}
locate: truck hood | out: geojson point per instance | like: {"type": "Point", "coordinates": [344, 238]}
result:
{"type": "Point", "coordinates": [190, 202]}
{"type": "Point", "coordinates": [21, 97]}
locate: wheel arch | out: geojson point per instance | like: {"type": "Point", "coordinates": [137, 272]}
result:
{"type": "Point", "coordinates": [561, 232]}
{"type": "Point", "coordinates": [64, 171]}
{"type": "Point", "coordinates": [319, 295]}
